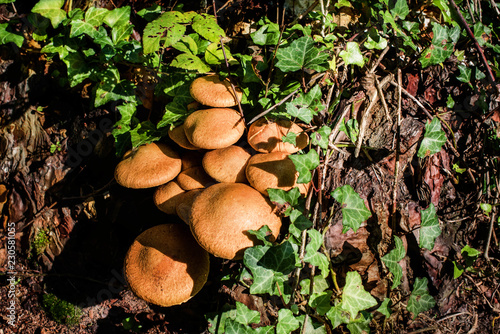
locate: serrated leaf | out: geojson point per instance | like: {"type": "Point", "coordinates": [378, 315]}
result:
{"type": "Point", "coordinates": [337, 315]}
{"type": "Point", "coordinates": [190, 62]}
{"type": "Point", "coordinates": [95, 16]}
{"type": "Point", "coordinates": [187, 44]}
{"type": "Point", "coordinates": [384, 307]}
{"type": "Point", "coordinates": [7, 36]}
{"type": "Point", "coordinates": [301, 54]}
{"type": "Point", "coordinates": [163, 32]}
{"type": "Point", "coordinates": [304, 163]}
{"type": "Point", "coordinates": [354, 211]}
{"type": "Point", "coordinates": [420, 299]}
{"type": "Point", "coordinates": [429, 228]}
{"type": "Point", "coordinates": [354, 296]}
{"type": "Point", "coordinates": [51, 9]}
{"type": "Point", "coordinates": [287, 322]}
{"type": "Point", "coordinates": [118, 17]}
{"type": "Point", "coordinates": [206, 25]}
{"type": "Point", "coordinates": [312, 255]}
{"type": "Point", "coordinates": [434, 138]}
{"type": "Point", "coordinates": [391, 260]}
{"type": "Point", "coordinates": [400, 9]}
{"type": "Point", "coordinates": [321, 302]}
{"type": "Point", "coordinates": [305, 106]}
{"type": "Point", "coordinates": [352, 54]}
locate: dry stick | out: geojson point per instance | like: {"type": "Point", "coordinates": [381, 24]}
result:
{"type": "Point", "coordinates": [231, 79]}
{"type": "Point", "coordinates": [494, 5]}
{"type": "Point", "coordinates": [273, 107]}
{"type": "Point", "coordinates": [311, 7]}
{"type": "Point", "coordinates": [382, 55]}
{"type": "Point", "coordinates": [382, 99]}
{"type": "Point", "coordinates": [479, 49]}
{"type": "Point", "coordinates": [492, 225]}
{"type": "Point", "coordinates": [398, 148]}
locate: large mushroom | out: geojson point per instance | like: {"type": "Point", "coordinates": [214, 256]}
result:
{"type": "Point", "coordinates": [165, 266]}
{"type": "Point", "coordinates": [214, 128]}
{"type": "Point", "coordinates": [148, 166]}
{"type": "Point", "coordinates": [222, 215]}
{"type": "Point", "coordinates": [211, 91]}
{"type": "Point", "coordinates": [265, 136]}
{"type": "Point", "coordinates": [227, 164]}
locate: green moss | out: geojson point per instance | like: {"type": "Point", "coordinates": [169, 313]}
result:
{"type": "Point", "coordinates": [41, 242]}
{"type": "Point", "coordinates": [60, 310]}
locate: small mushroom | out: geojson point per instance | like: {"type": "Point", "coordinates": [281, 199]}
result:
{"type": "Point", "coordinates": [227, 164]}
{"type": "Point", "coordinates": [222, 215]}
{"type": "Point", "coordinates": [178, 135]}
{"type": "Point", "coordinates": [165, 266]}
{"type": "Point", "coordinates": [214, 128]}
{"type": "Point", "coordinates": [211, 91]}
{"type": "Point", "coordinates": [168, 196]}
{"type": "Point", "coordinates": [265, 136]}
{"type": "Point", "coordinates": [194, 178]}
{"type": "Point", "coordinates": [273, 170]}
{"type": "Point", "coordinates": [148, 166]}
{"type": "Point", "coordinates": [183, 209]}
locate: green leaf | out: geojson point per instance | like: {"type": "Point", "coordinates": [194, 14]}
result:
{"type": "Point", "coordinates": [360, 325]}
{"type": "Point", "coordinates": [287, 322]}
{"type": "Point", "coordinates": [442, 46]}
{"type": "Point", "coordinates": [391, 260]}
{"type": "Point", "coordinates": [313, 256]}
{"type": "Point", "coordinates": [471, 252]}
{"type": "Point", "coordinates": [321, 302]}
{"type": "Point", "coordinates": [108, 91]}
{"type": "Point", "coordinates": [291, 138]}
{"type": "Point", "coordinates": [215, 56]}
{"type": "Point", "coordinates": [337, 315]}
{"type": "Point", "coordinates": [78, 69]}
{"type": "Point", "coordinates": [465, 73]}
{"type": "Point", "coordinates": [429, 228]}
{"type": "Point", "coordinates": [434, 138]}
{"type": "Point", "coordinates": [354, 211]}
{"type": "Point", "coordinates": [187, 44]}
{"type": "Point", "coordinates": [374, 40]}
{"type": "Point", "coordinates": [7, 36]}
{"type": "Point", "coordinates": [121, 32]}
{"type": "Point", "coordinates": [51, 9]}
{"type": "Point", "coordinates": [95, 16]}
{"type": "Point", "coordinates": [144, 133]}
{"type": "Point", "coordinates": [299, 223]}
{"type": "Point", "coordinates": [190, 62]}
{"type": "Point", "coordinates": [268, 34]}
{"type": "Point", "coordinates": [150, 13]}
{"type": "Point", "coordinates": [206, 25]}
{"type": "Point", "coordinates": [445, 9]}
{"type": "Point", "coordinates": [352, 54]}
{"type": "Point", "coordinates": [420, 300]}
{"type": "Point", "coordinates": [262, 234]}
{"type": "Point", "coordinates": [163, 32]}
{"type": "Point", "coordinates": [246, 316]}
{"type": "Point", "coordinates": [400, 9]}
{"type": "Point", "coordinates": [305, 106]}
{"type": "Point", "coordinates": [320, 137]}
{"type": "Point", "coordinates": [354, 296]}
{"type": "Point", "coordinates": [384, 308]}
{"type": "Point", "coordinates": [79, 27]}
{"type": "Point", "coordinates": [6, 1]}
{"type": "Point", "coordinates": [118, 17]}
{"type": "Point", "coordinates": [320, 285]}
{"type": "Point", "coordinates": [304, 163]}
{"type": "Point", "coordinates": [282, 197]}
{"type": "Point", "coordinates": [301, 54]}
{"type": "Point", "coordinates": [458, 270]}
{"type": "Point", "coordinates": [350, 128]}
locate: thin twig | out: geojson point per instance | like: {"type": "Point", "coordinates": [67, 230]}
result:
{"type": "Point", "coordinates": [491, 77]}
{"type": "Point", "coordinates": [273, 107]}
{"type": "Point", "coordinates": [398, 148]}
{"type": "Point", "coordinates": [494, 5]}
{"type": "Point", "coordinates": [231, 79]}
{"type": "Point", "coordinates": [382, 55]}
{"type": "Point", "coordinates": [382, 99]}
{"type": "Point", "coordinates": [404, 91]}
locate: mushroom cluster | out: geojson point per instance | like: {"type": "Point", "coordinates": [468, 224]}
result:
{"type": "Point", "coordinates": [215, 182]}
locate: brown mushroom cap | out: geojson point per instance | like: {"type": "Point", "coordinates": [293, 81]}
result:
{"type": "Point", "coordinates": [265, 136]}
{"type": "Point", "coordinates": [211, 91]}
{"type": "Point", "coordinates": [227, 164]}
{"type": "Point", "coordinates": [165, 266]}
{"type": "Point", "coordinates": [214, 128]}
{"type": "Point", "coordinates": [178, 135]}
{"type": "Point", "coordinates": [273, 170]}
{"type": "Point", "coordinates": [148, 166]}
{"type": "Point", "coordinates": [222, 215]}
{"type": "Point", "coordinates": [194, 178]}
{"type": "Point", "coordinates": [168, 196]}
{"type": "Point", "coordinates": [183, 209]}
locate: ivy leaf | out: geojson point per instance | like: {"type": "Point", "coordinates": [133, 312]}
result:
{"type": "Point", "coordinates": [246, 316]}
{"type": "Point", "coordinates": [420, 299]}
{"type": "Point", "coordinates": [445, 9]}
{"type": "Point", "coordinates": [163, 32]}
{"type": "Point", "coordinates": [78, 70]}
{"type": "Point", "coordinates": [268, 34]}
{"type": "Point", "coordinates": [441, 47]}
{"type": "Point", "coordinates": [282, 197]}
{"type": "Point", "coordinates": [7, 36]}
{"type": "Point", "coordinates": [320, 137]}
{"type": "Point", "coordinates": [434, 138]}
{"type": "Point", "coordinates": [79, 27]}
{"type": "Point", "coordinates": [144, 133]}
{"type": "Point", "coordinates": [384, 307]}
{"type": "Point", "coordinates": [301, 54]}
{"type": "Point", "coordinates": [120, 33]}
{"type": "Point", "coordinates": [206, 25]}
{"type": "Point", "coordinates": [51, 9]}
{"type": "Point", "coordinates": [320, 285]}
{"type": "Point", "coordinates": [287, 322]}
{"type": "Point", "coordinates": [354, 296]}
{"type": "Point", "coordinates": [95, 16]}
{"type": "Point", "coordinates": [108, 91]}
{"type": "Point", "coordinates": [263, 235]}
{"type": "Point", "coordinates": [354, 211]}
{"type": "Point", "coordinates": [391, 261]}
{"type": "Point", "coordinates": [321, 302]}
{"type": "Point", "coordinates": [429, 228]}
{"type": "Point", "coordinates": [304, 163]}
{"type": "Point", "coordinates": [299, 223]}
{"type": "Point", "coordinates": [360, 325]}
{"type": "Point", "coordinates": [118, 17]}
{"type": "Point", "coordinates": [400, 9]}
{"type": "Point", "coordinates": [337, 315]}
{"type": "Point", "coordinates": [465, 73]}
{"type": "Point", "coordinates": [352, 54]}
{"type": "Point", "coordinates": [350, 128]}
{"type": "Point", "coordinates": [291, 138]}
{"type": "Point", "coordinates": [190, 62]}
{"type": "Point", "coordinates": [374, 40]}
{"type": "Point", "coordinates": [305, 106]}
{"type": "Point", "coordinates": [312, 255]}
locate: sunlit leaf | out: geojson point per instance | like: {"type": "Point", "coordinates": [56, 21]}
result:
{"type": "Point", "coordinates": [301, 54]}
{"type": "Point", "coordinates": [434, 139]}
{"type": "Point", "coordinates": [7, 36]}
{"type": "Point", "coordinates": [391, 260]}
{"type": "Point", "coordinates": [420, 299]}
{"type": "Point", "coordinates": [429, 228]}
{"type": "Point", "coordinates": [354, 211]}
{"type": "Point", "coordinates": [51, 9]}
{"type": "Point", "coordinates": [354, 296]}
{"type": "Point", "coordinates": [352, 54]}
{"type": "Point", "coordinates": [304, 163]}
